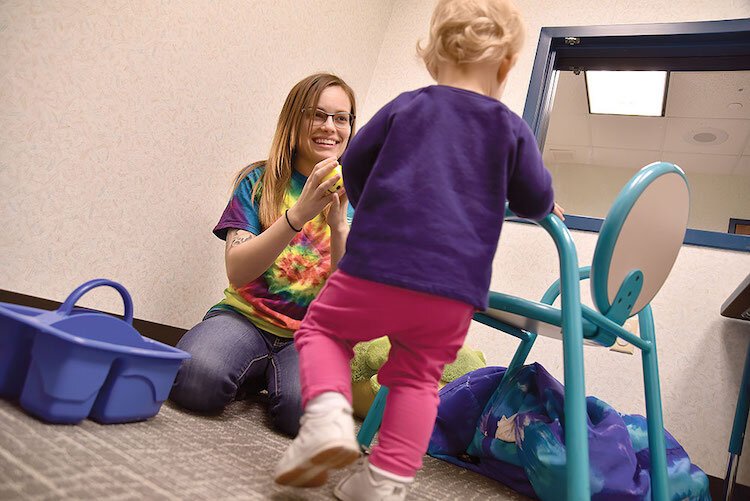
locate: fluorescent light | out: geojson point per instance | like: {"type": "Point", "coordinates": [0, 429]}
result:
{"type": "Point", "coordinates": [627, 92]}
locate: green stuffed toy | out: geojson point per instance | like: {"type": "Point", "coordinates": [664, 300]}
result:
{"type": "Point", "coordinates": [370, 356]}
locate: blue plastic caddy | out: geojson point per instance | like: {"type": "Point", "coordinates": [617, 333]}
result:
{"type": "Point", "coordinates": [72, 363]}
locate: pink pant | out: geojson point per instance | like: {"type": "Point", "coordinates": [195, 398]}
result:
{"type": "Point", "coordinates": [426, 332]}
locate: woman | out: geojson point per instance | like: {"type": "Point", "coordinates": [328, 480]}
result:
{"type": "Point", "coordinates": [285, 232]}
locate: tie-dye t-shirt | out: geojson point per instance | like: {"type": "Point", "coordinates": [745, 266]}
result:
{"type": "Point", "coordinates": [277, 300]}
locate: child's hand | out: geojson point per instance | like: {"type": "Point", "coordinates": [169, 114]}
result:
{"type": "Point", "coordinates": [558, 211]}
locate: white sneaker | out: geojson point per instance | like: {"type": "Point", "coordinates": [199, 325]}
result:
{"type": "Point", "coordinates": [325, 441]}
{"type": "Point", "coordinates": [368, 483]}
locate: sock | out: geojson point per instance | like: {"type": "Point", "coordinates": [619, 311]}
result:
{"type": "Point", "coordinates": [327, 402]}
{"type": "Point", "coordinates": [381, 474]}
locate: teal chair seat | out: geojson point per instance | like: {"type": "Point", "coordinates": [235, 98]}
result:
{"type": "Point", "coordinates": [538, 318]}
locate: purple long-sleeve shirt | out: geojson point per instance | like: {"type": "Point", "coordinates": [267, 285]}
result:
{"type": "Point", "coordinates": [429, 176]}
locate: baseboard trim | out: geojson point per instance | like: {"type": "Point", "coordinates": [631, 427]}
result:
{"type": "Point", "coordinates": [159, 332]}
{"type": "Point", "coordinates": [170, 335]}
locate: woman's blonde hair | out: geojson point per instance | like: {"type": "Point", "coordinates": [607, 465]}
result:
{"type": "Point", "coordinates": [472, 31]}
{"type": "Point", "coordinates": [276, 179]}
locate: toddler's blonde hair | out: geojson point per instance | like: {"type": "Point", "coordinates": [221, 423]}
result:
{"type": "Point", "coordinates": [472, 31]}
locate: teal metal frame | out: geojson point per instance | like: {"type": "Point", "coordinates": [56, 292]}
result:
{"type": "Point", "coordinates": [601, 327]}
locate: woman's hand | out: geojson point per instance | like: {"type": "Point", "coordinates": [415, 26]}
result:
{"type": "Point", "coordinates": [336, 219]}
{"type": "Point", "coordinates": [337, 214]}
{"type": "Point", "coordinates": [315, 195]}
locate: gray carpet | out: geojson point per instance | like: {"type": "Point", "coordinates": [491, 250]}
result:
{"type": "Point", "coordinates": [179, 455]}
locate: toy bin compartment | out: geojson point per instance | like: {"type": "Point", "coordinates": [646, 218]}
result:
{"type": "Point", "coordinates": [69, 364]}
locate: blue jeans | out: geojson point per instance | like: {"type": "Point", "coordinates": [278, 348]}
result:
{"type": "Point", "coordinates": [230, 355]}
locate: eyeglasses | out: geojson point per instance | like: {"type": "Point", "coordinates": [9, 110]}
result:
{"type": "Point", "coordinates": [342, 119]}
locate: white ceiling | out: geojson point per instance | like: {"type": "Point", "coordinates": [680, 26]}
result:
{"type": "Point", "coordinates": [714, 102]}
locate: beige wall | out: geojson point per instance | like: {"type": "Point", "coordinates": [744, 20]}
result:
{"type": "Point", "coordinates": [701, 353]}
{"type": "Point", "coordinates": [123, 122]}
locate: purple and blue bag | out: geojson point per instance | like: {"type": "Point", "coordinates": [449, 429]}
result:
{"type": "Point", "coordinates": [513, 431]}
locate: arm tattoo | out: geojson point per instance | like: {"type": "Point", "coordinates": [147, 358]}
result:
{"type": "Point", "coordinates": [238, 238]}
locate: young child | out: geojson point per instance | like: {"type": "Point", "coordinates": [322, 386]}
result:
{"type": "Point", "coordinates": [429, 176]}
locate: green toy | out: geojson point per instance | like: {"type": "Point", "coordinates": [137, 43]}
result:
{"type": "Point", "coordinates": [370, 356]}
